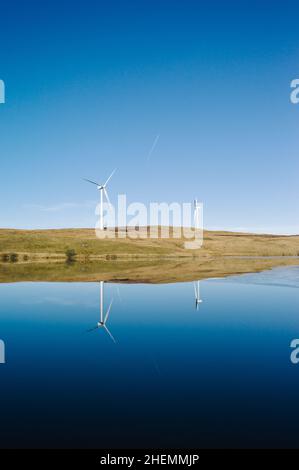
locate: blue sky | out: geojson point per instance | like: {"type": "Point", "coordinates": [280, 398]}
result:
{"type": "Point", "coordinates": [90, 85]}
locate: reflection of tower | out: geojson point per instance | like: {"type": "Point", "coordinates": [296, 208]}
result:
{"type": "Point", "coordinates": [197, 209]}
{"type": "Point", "coordinates": [2, 352]}
{"type": "Point", "coordinates": [103, 320]}
{"type": "Point", "coordinates": [197, 295]}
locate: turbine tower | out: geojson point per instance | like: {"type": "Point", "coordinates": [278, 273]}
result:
{"type": "Point", "coordinates": [103, 193]}
{"type": "Point", "coordinates": [197, 295]}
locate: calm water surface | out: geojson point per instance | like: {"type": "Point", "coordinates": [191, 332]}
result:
{"type": "Point", "coordinates": [164, 370]}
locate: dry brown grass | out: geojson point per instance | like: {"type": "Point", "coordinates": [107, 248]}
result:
{"type": "Point", "coordinates": [39, 244]}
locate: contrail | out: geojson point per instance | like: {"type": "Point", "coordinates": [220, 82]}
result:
{"type": "Point", "coordinates": [153, 147]}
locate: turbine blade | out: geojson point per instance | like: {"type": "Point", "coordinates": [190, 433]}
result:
{"type": "Point", "coordinates": [92, 182]}
{"type": "Point", "coordinates": [195, 291]}
{"type": "Point", "coordinates": [108, 311]}
{"type": "Point", "coordinates": [92, 329]}
{"type": "Point", "coordinates": [109, 334]}
{"type": "Point", "coordinates": [110, 176]}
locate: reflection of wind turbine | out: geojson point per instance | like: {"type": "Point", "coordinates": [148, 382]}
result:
{"type": "Point", "coordinates": [103, 320]}
{"type": "Point", "coordinates": [197, 295]}
{"type": "Point", "coordinates": [197, 208]}
{"type": "Point", "coordinates": [103, 192]}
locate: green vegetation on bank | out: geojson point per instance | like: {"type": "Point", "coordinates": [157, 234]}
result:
{"type": "Point", "coordinates": [142, 271]}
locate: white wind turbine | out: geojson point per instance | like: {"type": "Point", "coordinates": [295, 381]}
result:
{"type": "Point", "coordinates": [103, 320]}
{"type": "Point", "coordinates": [103, 192]}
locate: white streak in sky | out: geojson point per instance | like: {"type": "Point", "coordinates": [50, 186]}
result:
{"type": "Point", "coordinates": [153, 147]}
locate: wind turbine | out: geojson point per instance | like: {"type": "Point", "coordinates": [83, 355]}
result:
{"type": "Point", "coordinates": [197, 295]}
{"type": "Point", "coordinates": [103, 192]}
{"type": "Point", "coordinates": [103, 320]}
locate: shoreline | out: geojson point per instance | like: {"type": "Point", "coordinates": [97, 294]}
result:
{"type": "Point", "coordinates": [77, 255]}
{"type": "Point", "coordinates": [140, 270]}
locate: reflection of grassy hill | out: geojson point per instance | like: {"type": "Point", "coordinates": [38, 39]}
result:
{"type": "Point", "coordinates": [158, 271]}
{"type": "Point", "coordinates": [41, 244]}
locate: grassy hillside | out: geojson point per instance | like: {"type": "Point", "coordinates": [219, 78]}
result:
{"type": "Point", "coordinates": [48, 244]}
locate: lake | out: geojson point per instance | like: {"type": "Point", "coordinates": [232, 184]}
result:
{"type": "Point", "coordinates": [204, 364]}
